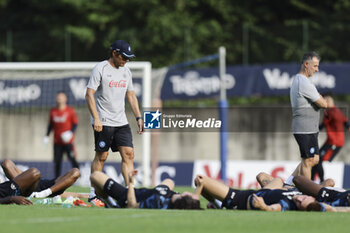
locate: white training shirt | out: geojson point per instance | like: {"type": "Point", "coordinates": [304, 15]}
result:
{"type": "Point", "coordinates": [111, 85]}
{"type": "Point", "coordinates": [306, 116]}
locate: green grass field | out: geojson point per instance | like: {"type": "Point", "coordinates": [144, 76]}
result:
{"type": "Point", "coordinates": [54, 218]}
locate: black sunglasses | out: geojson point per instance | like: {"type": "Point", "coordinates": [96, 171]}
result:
{"type": "Point", "coordinates": [123, 56]}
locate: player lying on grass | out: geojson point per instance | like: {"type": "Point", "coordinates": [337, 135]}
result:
{"type": "Point", "coordinates": [271, 198]}
{"type": "Point", "coordinates": [324, 198]}
{"type": "Point", "coordinates": [15, 190]}
{"type": "Point", "coordinates": [159, 197]}
{"type": "Point", "coordinates": [45, 187]}
{"type": "Point", "coordinates": [336, 199]}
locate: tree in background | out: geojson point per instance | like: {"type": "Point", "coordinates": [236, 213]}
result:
{"type": "Point", "coordinates": [169, 32]}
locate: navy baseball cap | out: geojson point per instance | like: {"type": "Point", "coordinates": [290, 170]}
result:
{"type": "Point", "coordinates": [122, 47]}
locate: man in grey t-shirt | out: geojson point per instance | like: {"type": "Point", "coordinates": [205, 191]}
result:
{"type": "Point", "coordinates": [306, 102]}
{"type": "Point", "coordinates": [110, 82]}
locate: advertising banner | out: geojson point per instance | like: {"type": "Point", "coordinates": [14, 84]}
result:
{"type": "Point", "coordinates": [263, 80]}
{"type": "Point", "coordinates": [42, 92]}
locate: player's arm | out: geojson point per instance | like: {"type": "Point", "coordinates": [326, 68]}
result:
{"type": "Point", "coordinates": [49, 128]}
{"type": "Point", "coordinates": [199, 183]}
{"type": "Point", "coordinates": [347, 125]}
{"type": "Point", "coordinates": [134, 104]}
{"type": "Point", "coordinates": [90, 100]}
{"type": "Point", "coordinates": [337, 208]}
{"type": "Point", "coordinates": [321, 126]}
{"type": "Point", "coordinates": [74, 128]}
{"type": "Point", "coordinates": [259, 203]}
{"type": "Point", "coordinates": [321, 102]}
{"type": "Point", "coordinates": [132, 203]}
{"type": "Point", "coordinates": [74, 119]}
{"type": "Point", "coordinates": [20, 200]}
{"type": "Point", "coordinates": [263, 179]}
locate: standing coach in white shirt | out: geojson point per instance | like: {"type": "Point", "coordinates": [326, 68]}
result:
{"type": "Point", "coordinates": [110, 82]}
{"type": "Point", "coordinates": [306, 103]}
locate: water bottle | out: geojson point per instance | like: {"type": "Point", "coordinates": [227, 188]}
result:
{"type": "Point", "coordinates": [66, 205]}
{"type": "Point", "coordinates": [45, 201]}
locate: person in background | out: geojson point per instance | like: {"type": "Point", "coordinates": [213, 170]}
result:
{"type": "Point", "coordinates": [335, 122]}
{"type": "Point", "coordinates": [63, 121]}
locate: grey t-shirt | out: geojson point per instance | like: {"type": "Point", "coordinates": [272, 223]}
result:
{"type": "Point", "coordinates": [111, 85]}
{"type": "Point", "coordinates": [306, 116]}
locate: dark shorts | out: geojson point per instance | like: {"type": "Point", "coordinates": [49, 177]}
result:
{"type": "Point", "coordinates": [119, 192]}
{"type": "Point", "coordinates": [10, 188]}
{"type": "Point", "coordinates": [113, 137]}
{"type": "Point", "coordinates": [45, 184]}
{"type": "Point", "coordinates": [328, 152]}
{"type": "Point", "coordinates": [237, 199]}
{"type": "Point", "coordinates": [308, 144]}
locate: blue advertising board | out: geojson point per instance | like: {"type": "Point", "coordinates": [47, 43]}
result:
{"type": "Point", "coordinates": [258, 80]}
{"type": "Point", "coordinates": [42, 92]}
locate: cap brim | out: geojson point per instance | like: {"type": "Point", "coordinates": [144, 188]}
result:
{"type": "Point", "coordinates": [128, 55]}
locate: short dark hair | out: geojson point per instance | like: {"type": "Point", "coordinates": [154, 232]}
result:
{"type": "Point", "coordinates": [187, 203]}
{"type": "Point", "coordinates": [314, 206]}
{"type": "Point", "coordinates": [309, 55]}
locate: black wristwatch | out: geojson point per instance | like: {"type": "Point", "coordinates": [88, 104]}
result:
{"type": "Point", "coordinates": [138, 118]}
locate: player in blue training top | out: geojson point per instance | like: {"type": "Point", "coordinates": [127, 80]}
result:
{"type": "Point", "coordinates": [45, 187]}
{"type": "Point", "coordinates": [331, 196]}
{"type": "Point", "coordinates": [159, 197]}
{"type": "Point", "coordinates": [272, 198]}
{"type": "Point", "coordinates": [14, 191]}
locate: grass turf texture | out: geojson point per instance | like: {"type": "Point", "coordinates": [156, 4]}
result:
{"type": "Point", "coordinates": [53, 218]}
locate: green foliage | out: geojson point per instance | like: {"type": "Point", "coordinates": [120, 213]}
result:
{"type": "Point", "coordinates": [169, 32]}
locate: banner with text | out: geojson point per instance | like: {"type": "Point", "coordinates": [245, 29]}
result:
{"type": "Point", "coordinates": [265, 80]}
{"type": "Point", "coordinates": [42, 92]}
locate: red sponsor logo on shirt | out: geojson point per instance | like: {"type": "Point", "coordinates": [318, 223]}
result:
{"type": "Point", "coordinates": [60, 119]}
{"type": "Point", "coordinates": [121, 83]}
